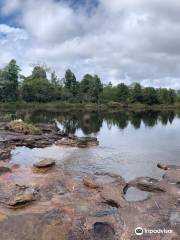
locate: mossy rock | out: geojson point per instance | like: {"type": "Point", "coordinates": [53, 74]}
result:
{"type": "Point", "coordinates": [22, 127]}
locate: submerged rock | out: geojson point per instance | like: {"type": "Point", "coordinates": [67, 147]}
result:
{"type": "Point", "coordinates": [81, 142]}
{"type": "Point", "coordinates": [44, 163]}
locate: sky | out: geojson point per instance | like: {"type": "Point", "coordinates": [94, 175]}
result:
{"type": "Point", "coordinates": [120, 40]}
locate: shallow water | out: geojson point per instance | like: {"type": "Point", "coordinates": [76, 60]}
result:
{"type": "Point", "coordinates": [131, 144]}
{"type": "Point", "coordinates": [133, 195]}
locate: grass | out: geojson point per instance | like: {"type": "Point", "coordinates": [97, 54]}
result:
{"type": "Point", "coordinates": [22, 127]}
{"type": "Point", "coordinates": [60, 106]}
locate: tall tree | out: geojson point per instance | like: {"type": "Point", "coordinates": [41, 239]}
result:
{"type": "Point", "coordinates": [122, 92]}
{"type": "Point", "coordinates": [91, 88]}
{"type": "Point", "coordinates": [136, 93]}
{"type": "Point", "coordinates": [9, 81]}
{"type": "Point", "coordinates": [70, 82]}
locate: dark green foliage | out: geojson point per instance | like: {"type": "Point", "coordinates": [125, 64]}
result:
{"type": "Point", "coordinates": [136, 94]}
{"type": "Point", "coordinates": [70, 82]}
{"type": "Point", "coordinates": [150, 96]}
{"type": "Point", "coordinates": [38, 88]}
{"type": "Point", "coordinates": [122, 92]}
{"type": "Point", "coordinates": [38, 73]}
{"type": "Point", "coordinates": [9, 82]}
{"type": "Point", "coordinates": [90, 88]}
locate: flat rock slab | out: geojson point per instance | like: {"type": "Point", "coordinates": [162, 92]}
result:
{"type": "Point", "coordinates": [44, 163]}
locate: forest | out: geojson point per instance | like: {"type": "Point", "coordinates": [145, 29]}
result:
{"type": "Point", "coordinates": [43, 87]}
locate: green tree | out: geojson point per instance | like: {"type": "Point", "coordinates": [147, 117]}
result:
{"type": "Point", "coordinates": [9, 82]}
{"type": "Point", "coordinates": [150, 96]}
{"type": "Point", "coordinates": [37, 88]}
{"type": "Point", "coordinates": [109, 93]}
{"type": "Point", "coordinates": [70, 82]}
{"type": "Point", "coordinates": [90, 88]}
{"type": "Point", "coordinates": [122, 92]}
{"type": "Point", "coordinates": [136, 93]}
{"type": "Point", "coordinates": [39, 73]}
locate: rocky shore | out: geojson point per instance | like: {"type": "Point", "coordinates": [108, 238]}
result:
{"type": "Point", "coordinates": [43, 202]}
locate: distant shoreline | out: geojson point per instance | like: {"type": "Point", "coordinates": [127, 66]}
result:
{"type": "Point", "coordinates": [60, 106]}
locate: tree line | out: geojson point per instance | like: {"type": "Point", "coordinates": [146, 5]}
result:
{"type": "Point", "coordinates": [39, 88]}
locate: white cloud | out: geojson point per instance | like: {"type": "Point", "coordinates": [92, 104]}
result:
{"type": "Point", "coordinates": [127, 40]}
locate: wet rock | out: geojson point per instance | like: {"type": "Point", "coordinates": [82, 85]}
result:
{"type": "Point", "coordinates": [18, 196]}
{"type": "Point", "coordinates": [81, 142]}
{"type": "Point", "coordinates": [113, 197]}
{"type": "Point", "coordinates": [168, 167]}
{"type": "Point", "coordinates": [172, 176]}
{"type": "Point", "coordinates": [22, 197]}
{"type": "Point", "coordinates": [44, 163]}
{"type": "Point", "coordinates": [91, 182]}
{"type": "Point", "coordinates": [4, 170]}
{"type": "Point", "coordinates": [105, 212]}
{"type": "Point", "coordinates": [103, 230]}
{"type": "Point", "coordinates": [147, 184]}
{"type": "Point", "coordinates": [5, 154]}
{"type": "Point", "coordinates": [133, 194]}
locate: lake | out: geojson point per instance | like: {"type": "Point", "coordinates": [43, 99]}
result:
{"type": "Point", "coordinates": [130, 143]}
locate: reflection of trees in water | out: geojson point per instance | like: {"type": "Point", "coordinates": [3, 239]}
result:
{"type": "Point", "coordinates": [92, 122]}
{"type": "Point", "coordinates": [149, 118]}
{"type": "Point", "coordinates": [135, 119]}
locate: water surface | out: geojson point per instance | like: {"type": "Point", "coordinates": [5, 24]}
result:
{"type": "Point", "coordinates": [131, 143]}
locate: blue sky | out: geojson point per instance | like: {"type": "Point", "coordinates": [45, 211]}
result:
{"type": "Point", "coordinates": [121, 41]}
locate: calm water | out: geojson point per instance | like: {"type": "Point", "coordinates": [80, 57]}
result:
{"type": "Point", "coordinates": [131, 144]}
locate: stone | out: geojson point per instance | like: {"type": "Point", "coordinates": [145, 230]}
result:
{"type": "Point", "coordinates": [146, 184]}
{"type": "Point", "coordinates": [4, 170]}
{"type": "Point", "coordinates": [20, 196]}
{"type": "Point", "coordinates": [168, 167]}
{"type": "Point", "coordinates": [103, 230]}
{"type": "Point", "coordinates": [44, 163]}
{"type": "Point", "coordinates": [172, 176]}
{"type": "Point", "coordinates": [81, 142]}
{"type": "Point", "coordinates": [113, 197]}
{"type": "Point", "coordinates": [91, 182]}
{"type": "Point", "coordinates": [5, 154]}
